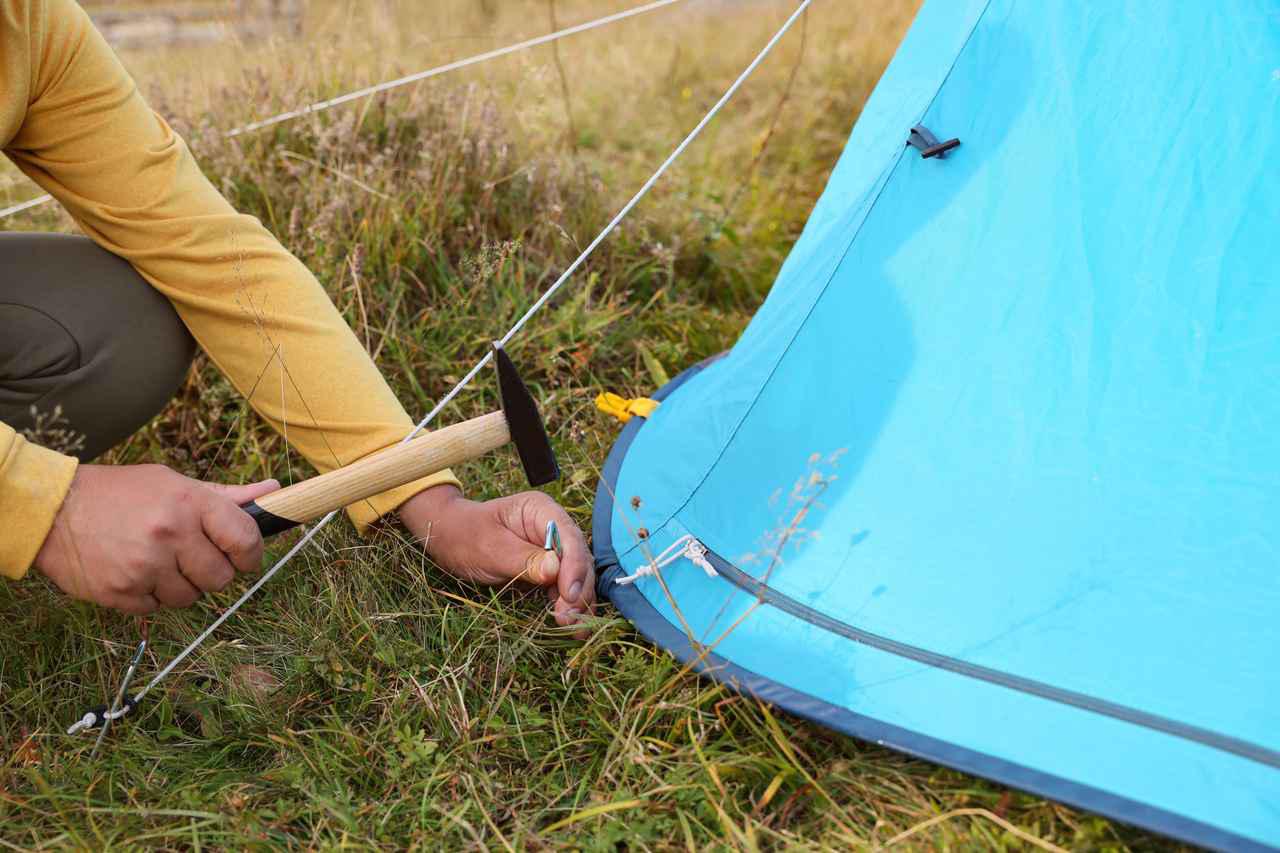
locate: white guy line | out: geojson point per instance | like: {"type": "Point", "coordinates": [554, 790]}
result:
{"type": "Point", "coordinates": [320, 106]}
{"type": "Point", "coordinates": [511, 333]}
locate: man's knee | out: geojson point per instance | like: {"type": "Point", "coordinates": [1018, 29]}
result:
{"type": "Point", "coordinates": [34, 347]}
{"type": "Point", "coordinates": [86, 333]}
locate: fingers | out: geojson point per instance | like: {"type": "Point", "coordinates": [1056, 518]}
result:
{"type": "Point", "coordinates": [505, 556]}
{"type": "Point", "coordinates": [575, 578]}
{"type": "Point", "coordinates": [502, 540]}
{"type": "Point", "coordinates": [541, 567]}
{"type": "Point", "coordinates": [205, 566]}
{"type": "Point", "coordinates": [174, 590]}
{"type": "Point", "coordinates": [200, 568]}
{"type": "Point", "coordinates": [135, 605]}
{"type": "Point", "coordinates": [241, 495]}
{"type": "Point", "coordinates": [570, 613]}
{"type": "Point", "coordinates": [577, 581]}
{"type": "Point", "coordinates": [230, 528]}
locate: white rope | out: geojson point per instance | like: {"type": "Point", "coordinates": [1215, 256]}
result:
{"type": "Point", "coordinates": [92, 719]}
{"type": "Point", "coordinates": [511, 333]}
{"type": "Point", "coordinates": [226, 614]}
{"type": "Point", "coordinates": [452, 66]}
{"type": "Point", "coordinates": [320, 106]}
{"type": "Point", "coordinates": [26, 205]}
{"type": "Point", "coordinates": [686, 547]}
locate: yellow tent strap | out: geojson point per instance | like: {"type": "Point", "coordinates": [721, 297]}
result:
{"type": "Point", "coordinates": [624, 409]}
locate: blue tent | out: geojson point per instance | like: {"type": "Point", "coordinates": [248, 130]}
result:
{"type": "Point", "coordinates": [993, 477]}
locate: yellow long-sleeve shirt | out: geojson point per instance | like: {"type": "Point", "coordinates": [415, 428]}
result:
{"type": "Point", "coordinates": [72, 119]}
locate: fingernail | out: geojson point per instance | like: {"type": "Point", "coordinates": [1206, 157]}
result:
{"type": "Point", "coordinates": [575, 590]}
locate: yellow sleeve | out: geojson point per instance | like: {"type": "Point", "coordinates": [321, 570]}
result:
{"type": "Point", "coordinates": [131, 184]}
{"type": "Point", "coordinates": [33, 483]}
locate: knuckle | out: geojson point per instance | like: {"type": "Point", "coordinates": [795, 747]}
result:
{"type": "Point", "coordinates": [180, 599]}
{"type": "Point", "coordinates": [162, 531]}
{"type": "Point", "coordinates": [246, 540]}
{"type": "Point", "coordinates": [163, 525]}
{"type": "Point", "coordinates": [135, 571]}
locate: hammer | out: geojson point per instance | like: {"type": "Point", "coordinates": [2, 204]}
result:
{"type": "Point", "coordinates": [517, 421]}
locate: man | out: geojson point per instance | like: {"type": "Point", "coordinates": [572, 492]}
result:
{"type": "Point", "coordinates": [106, 328]}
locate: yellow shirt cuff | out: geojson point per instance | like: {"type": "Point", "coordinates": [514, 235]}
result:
{"type": "Point", "coordinates": [34, 482]}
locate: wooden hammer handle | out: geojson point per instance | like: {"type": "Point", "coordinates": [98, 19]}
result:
{"type": "Point", "coordinates": [373, 475]}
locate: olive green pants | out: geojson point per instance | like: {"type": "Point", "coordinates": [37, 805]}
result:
{"type": "Point", "coordinates": [81, 330]}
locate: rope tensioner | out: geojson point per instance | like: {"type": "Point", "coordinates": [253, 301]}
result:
{"type": "Point", "coordinates": [625, 409]}
{"type": "Point", "coordinates": [686, 546]}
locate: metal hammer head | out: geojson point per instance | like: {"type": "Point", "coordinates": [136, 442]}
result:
{"type": "Point", "coordinates": [525, 424]}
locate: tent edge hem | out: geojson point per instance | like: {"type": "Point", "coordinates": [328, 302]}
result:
{"type": "Point", "coordinates": [658, 630]}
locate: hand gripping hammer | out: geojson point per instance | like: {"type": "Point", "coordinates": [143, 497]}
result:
{"type": "Point", "coordinates": [516, 422]}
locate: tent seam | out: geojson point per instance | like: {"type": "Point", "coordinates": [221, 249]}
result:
{"type": "Point", "coordinates": [1032, 687]}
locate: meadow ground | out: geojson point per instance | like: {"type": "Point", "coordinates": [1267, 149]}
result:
{"type": "Point", "coordinates": [366, 698]}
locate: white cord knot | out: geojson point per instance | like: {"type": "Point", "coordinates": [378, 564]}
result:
{"type": "Point", "coordinates": [697, 554]}
{"type": "Point", "coordinates": [95, 717]}
{"type": "Point", "coordinates": [686, 546]}
{"type": "Point", "coordinates": [88, 721]}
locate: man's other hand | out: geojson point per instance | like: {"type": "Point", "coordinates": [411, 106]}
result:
{"type": "Point", "coordinates": [139, 537]}
{"type": "Point", "coordinates": [500, 541]}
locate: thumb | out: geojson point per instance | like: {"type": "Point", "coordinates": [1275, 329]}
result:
{"type": "Point", "coordinates": [243, 494]}
{"type": "Point", "coordinates": [541, 567]}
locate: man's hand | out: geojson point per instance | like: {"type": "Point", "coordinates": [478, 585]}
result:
{"type": "Point", "coordinates": [501, 540]}
{"type": "Point", "coordinates": [138, 537]}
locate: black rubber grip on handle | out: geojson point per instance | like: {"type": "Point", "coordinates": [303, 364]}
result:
{"type": "Point", "coordinates": [269, 524]}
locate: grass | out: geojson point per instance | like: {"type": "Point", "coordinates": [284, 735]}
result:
{"type": "Point", "coordinates": [365, 698]}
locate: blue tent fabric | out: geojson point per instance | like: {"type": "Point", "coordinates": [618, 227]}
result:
{"type": "Point", "coordinates": [1027, 400]}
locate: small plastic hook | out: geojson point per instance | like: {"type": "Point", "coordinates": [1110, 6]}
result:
{"type": "Point", "coordinates": [929, 146]}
